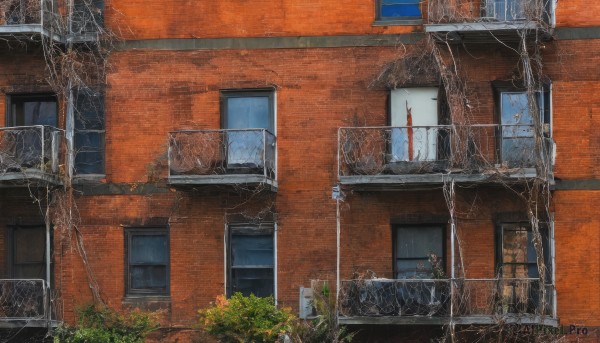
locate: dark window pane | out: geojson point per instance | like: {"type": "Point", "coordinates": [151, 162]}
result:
{"type": "Point", "coordinates": [30, 271]}
{"type": "Point", "coordinates": [29, 245]}
{"type": "Point", "coordinates": [32, 110]}
{"type": "Point", "coordinates": [89, 141]}
{"type": "Point", "coordinates": [89, 110]}
{"type": "Point", "coordinates": [415, 242]}
{"type": "Point", "coordinates": [148, 277]}
{"type": "Point", "coordinates": [89, 162]}
{"type": "Point", "coordinates": [149, 249]}
{"type": "Point", "coordinates": [252, 250]}
{"type": "Point", "coordinates": [413, 269]}
{"type": "Point", "coordinates": [253, 281]}
{"type": "Point", "coordinates": [245, 149]}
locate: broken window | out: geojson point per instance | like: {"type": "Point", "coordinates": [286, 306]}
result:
{"type": "Point", "coordinates": [251, 261]}
{"type": "Point", "coordinates": [418, 252]}
{"type": "Point", "coordinates": [389, 10]}
{"type": "Point", "coordinates": [89, 131]}
{"type": "Point", "coordinates": [246, 115]}
{"type": "Point", "coordinates": [147, 259]}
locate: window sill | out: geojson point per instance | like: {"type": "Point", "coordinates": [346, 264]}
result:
{"type": "Point", "coordinates": [88, 179]}
{"type": "Point", "coordinates": [397, 22]}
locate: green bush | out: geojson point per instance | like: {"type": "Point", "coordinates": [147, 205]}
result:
{"type": "Point", "coordinates": [103, 325]}
{"type": "Point", "coordinates": [246, 319]}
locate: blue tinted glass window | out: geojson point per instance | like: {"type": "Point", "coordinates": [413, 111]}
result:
{"type": "Point", "coordinates": [399, 9]}
{"type": "Point", "coordinates": [148, 262]}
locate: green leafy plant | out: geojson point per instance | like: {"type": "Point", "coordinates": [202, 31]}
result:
{"type": "Point", "coordinates": [246, 319]}
{"type": "Point", "coordinates": [104, 325]}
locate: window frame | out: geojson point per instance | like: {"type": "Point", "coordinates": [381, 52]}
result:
{"type": "Point", "coordinates": [23, 97]}
{"type": "Point", "coordinates": [545, 230]}
{"type": "Point", "coordinates": [395, 228]}
{"type": "Point", "coordinates": [96, 92]}
{"type": "Point", "coordinates": [399, 20]}
{"type": "Point", "coordinates": [11, 249]}
{"type": "Point", "coordinates": [248, 93]}
{"type": "Point", "coordinates": [241, 229]}
{"type": "Point", "coordinates": [146, 231]}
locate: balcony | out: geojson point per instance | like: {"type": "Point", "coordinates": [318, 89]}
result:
{"type": "Point", "coordinates": [237, 158]}
{"type": "Point", "coordinates": [26, 19]}
{"type": "Point", "coordinates": [484, 21]}
{"type": "Point", "coordinates": [26, 303]}
{"type": "Point", "coordinates": [30, 155]}
{"type": "Point", "coordinates": [409, 156]}
{"type": "Point", "coordinates": [429, 301]}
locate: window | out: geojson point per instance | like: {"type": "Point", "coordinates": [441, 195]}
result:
{"type": "Point", "coordinates": [251, 261]}
{"type": "Point", "coordinates": [505, 10]}
{"type": "Point", "coordinates": [418, 251]}
{"type": "Point", "coordinates": [89, 131]}
{"type": "Point", "coordinates": [32, 109]}
{"type": "Point", "coordinates": [87, 16]}
{"type": "Point", "coordinates": [28, 252]}
{"type": "Point", "coordinates": [398, 10]}
{"type": "Point", "coordinates": [414, 116]}
{"type": "Point", "coordinates": [516, 253]}
{"type": "Point", "coordinates": [147, 261]}
{"type": "Point", "coordinates": [517, 136]}
{"type": "Point", "coordinates": [246, 114]}
{"type": "Point", "coordinates": [24, 144]}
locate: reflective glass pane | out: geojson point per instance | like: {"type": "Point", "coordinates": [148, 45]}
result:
{"type": "Point", "coordinates": [89, 162]}
{"type": "Point", "coordinates": [148, 277]}
{"type": "Point", "coordinates": [89, 141]}
{"type": "Point", "coordinates": [248, 112]}
{"type": "Point", "coordinates": [257, 281]}
{"type": "Point", "coordinates": [514, 246]}
{"type": "Point", "coordinates": [148, 249]}
{"type": "Point", "coordinates": [252, 250]}
{"type": "Point", "coordinates": [400, 8]}
{"type": "Point", "coordinates": [245, 149]}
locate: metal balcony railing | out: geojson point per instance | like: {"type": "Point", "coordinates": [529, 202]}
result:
{"type": "Point", "coordinates": [227, 154]}
{"type": "Point", "coordinates": [30, 149]}
{"type": "Point", "coordinates": [472, 298]}
{"type": "Point", "coordinates": [470, 11]}
{"type": "Point", "coordinates": [28, 16]}
{"type": "Point", "coordinates": [469, 149]}
{"type": "Point", "coordinates": [24, 299]}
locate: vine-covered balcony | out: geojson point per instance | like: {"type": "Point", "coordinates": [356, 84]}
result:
{"type": "Point", "coordinates": [30, 155]}
{"type": "Point", "coordinates": [24, 18]}
{"type": "Point", "coordinates": [233, 157]}
{"type": "Point", "coordinates": [425, 155]}
{"type": "Point", "coordinates": [438, 301]}
{"type": "Point", "coordinates": [487, 20]}
{"type": "Point", "coordinates": [26, 303]}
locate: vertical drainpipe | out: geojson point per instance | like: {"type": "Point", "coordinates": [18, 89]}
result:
{"type": "Point", "coordinates": [47, 301]}
{"type": "Point", "coordinates": [337, 236]}
{"type": "Point", "coordinates": [452, 267]}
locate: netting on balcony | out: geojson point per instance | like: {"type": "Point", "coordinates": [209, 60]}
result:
{"type": "Point", "coordinates": [459, 11]}
{"type": "Point", "coordinates": [437, 149]}
{"type": "Point", "coordinates": [29, 147]}
{"type": "Point", "coordinates": [384, 297]}
{"type": "Point", "coordinates": [23, 299]}
{"type": "Point", "coordinates": [217, 152]}
{"type": "Point", "coordinates": [432, 297]}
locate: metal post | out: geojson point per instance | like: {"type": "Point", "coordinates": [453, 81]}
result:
{"type": "Point", "coordinates": [264, 161]}
{"type": "Point", "coordinates": [43, 152]}
{"type": "Point", "coordinates": [337, 266]}
{"type": "Point", "coordinates": [48, 264]}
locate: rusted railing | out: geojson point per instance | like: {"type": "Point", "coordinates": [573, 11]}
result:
{"type": "Point", "coordinates": [433, 297]}
{"type": "Point", "coordinates": [30, 148]}
{"type": "Point", "coordinates": [437, 149]}
{"type": "Point", "coordinates": [222, 152]}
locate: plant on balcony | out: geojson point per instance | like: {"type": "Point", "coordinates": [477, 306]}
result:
{"type": "Point", "coordinates": [104, 325]}
{"type": "Point", "coordinates": [246, 319]}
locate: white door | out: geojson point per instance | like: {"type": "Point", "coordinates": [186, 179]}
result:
{"type": "Point", "coordinates": [413, 112]}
